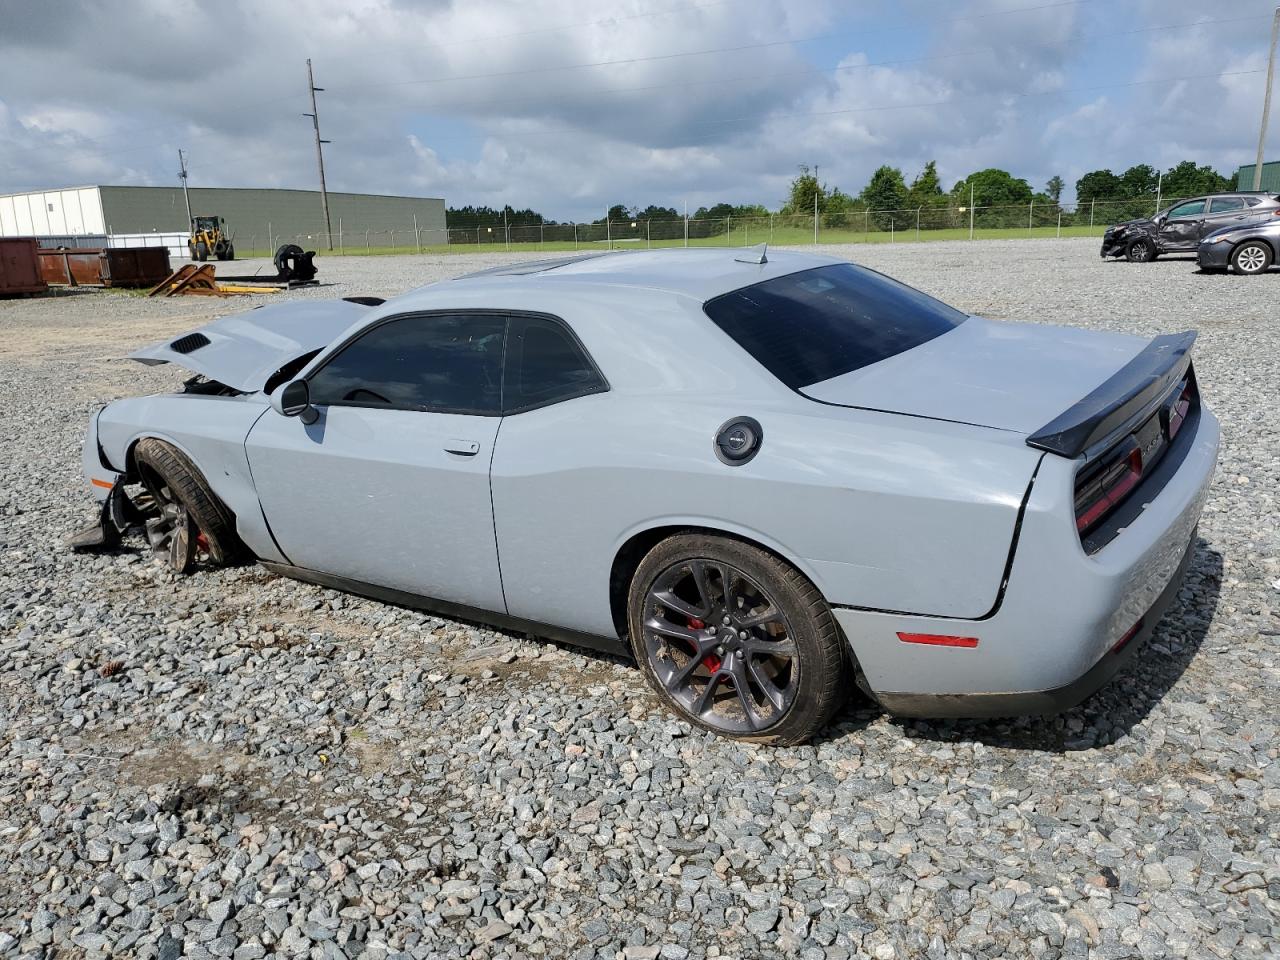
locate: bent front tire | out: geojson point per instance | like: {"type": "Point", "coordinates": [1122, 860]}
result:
{"type": "Point", "coordinates": [1141, 251]}
{"type": "Point", "coordinates": [735, 640]}
{"type": "Point", "coordinates": [187, 515]}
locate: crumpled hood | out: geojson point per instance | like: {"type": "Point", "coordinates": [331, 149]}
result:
{"type": "Point", "coordinates": [1011, 376]}
{"type": "Point", "coordinates": [243, 350]}
{"type": "Point", "coordinates": [1143, 223]}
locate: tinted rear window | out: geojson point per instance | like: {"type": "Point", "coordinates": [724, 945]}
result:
{"type": "Point", "coordinates": [811, 326]}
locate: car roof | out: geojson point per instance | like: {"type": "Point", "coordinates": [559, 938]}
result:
{"type": "Point", "coordinates": [1268, 194]}
{"type": "Point", "coordinates": [700, 273]}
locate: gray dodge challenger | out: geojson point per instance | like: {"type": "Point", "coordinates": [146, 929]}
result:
{"type": "Point", "coordinates": [768, 477]}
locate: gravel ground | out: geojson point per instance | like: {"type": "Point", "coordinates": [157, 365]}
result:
{"type": "Point", "coordinates": [235, 765]}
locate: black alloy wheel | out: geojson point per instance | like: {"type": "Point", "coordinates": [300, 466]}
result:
{"type": "Point", "coordinates": [737, 641]}
{"type": "Point", "coordinates": [184, 518]}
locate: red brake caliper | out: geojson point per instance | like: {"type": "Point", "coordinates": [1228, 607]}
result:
{"type": "Point", "coordinates": [202, 541]}
{"type": "Point", "coordinates": [710, 661]}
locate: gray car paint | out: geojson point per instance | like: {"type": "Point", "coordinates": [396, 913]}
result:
{"type": "Point", "coordinates": [883, 512]}
{"type": "Point", "coordinates": [970, 373]}
{"type": "Point", "coordinates": [244, 349]}
{"type": "Point", "coordinates": [1216, 249]}
{"type": "Point", "coordinates": [409, 512]}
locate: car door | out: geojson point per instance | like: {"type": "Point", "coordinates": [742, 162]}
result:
{"type": "Point", "coordinates": [1181, 227]}
{"type": "Point", "coordinates": [390, 484]}
{"type": "Point", "coordinates": [1224, 212]}
{"type": "Point", "coordinates": [547, 482]}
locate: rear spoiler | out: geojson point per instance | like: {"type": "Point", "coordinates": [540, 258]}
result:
{"type": "Point", "coordinates": [1133, 390]}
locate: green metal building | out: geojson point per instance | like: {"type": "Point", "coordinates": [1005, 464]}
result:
{"type": "Point", "coordinates": [1270, 176]}
{"type": "Point", "coordinates": [256, 218]}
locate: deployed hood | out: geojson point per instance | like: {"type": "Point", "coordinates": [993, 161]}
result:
{"type": "Point", "coordinates": [245, 349]}
{"type": "Point", "coordinates": [1012, 376]}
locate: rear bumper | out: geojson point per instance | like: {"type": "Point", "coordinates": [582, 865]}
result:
{"type": "Point", "coordinates": [1042, 702]}
{"type": "Point", "coordinates": [1049, 643]}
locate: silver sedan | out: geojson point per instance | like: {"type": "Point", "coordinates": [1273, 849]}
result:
{"type": "Point", "coordinates": [768, 477]}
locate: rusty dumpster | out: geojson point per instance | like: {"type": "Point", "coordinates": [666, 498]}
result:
{"type": "Point", "coordinates": [20, 267]}
{"type": "Point", "coordinates": [105, 266]}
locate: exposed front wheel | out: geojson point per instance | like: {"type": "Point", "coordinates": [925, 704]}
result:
{"type": "Point", "coordinates": [1251, 258]}
{"type": "Point", "coordinates": [736, 641]}
{"type": "Point", "coordinates": [1141, 251]}
{"type": "Point", "coordinates": [185, 516]}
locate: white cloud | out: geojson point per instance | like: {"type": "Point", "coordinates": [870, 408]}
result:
{"type": "Point", "coordinates": [107, 93]}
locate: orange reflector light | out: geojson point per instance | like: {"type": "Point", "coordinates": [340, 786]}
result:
{"type": "Point", "coordinates": [938, 640]}
{"type": "Point", "coordinates": [105, 484]}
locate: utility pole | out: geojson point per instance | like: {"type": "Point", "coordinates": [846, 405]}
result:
{"type": "Point", "coordinates": [816, 187]}
{"type": "Point", "coordinates": [970, 209]}
{"type": "Point", "coordinates": [182, 175]}
{"type": "Point", "coordinates": [1159, 188]}
{"type": "Point", "coordinates": [1266, 101]}
{"type": "Point", "coordinates": [315, 122]}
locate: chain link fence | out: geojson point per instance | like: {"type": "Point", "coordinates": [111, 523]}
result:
{"type": "Point", "coordinates": [859, 225]}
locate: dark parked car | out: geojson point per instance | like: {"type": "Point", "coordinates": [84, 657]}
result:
{"type": "Point", "coordinates": [1180, 228]}
{"type": "Point", "coordinates": [1249, 248]}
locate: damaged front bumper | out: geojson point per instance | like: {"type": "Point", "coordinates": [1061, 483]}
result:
{"type": "Point", "coordinates": [117, 513]}
{"type": "Point", "coordinates": [1114, 245]}
{"type": "Point", "coordinates": [117, 517]}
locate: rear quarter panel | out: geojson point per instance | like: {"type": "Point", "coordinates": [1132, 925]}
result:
{"type": "Point", "coordinates": [878, 510]}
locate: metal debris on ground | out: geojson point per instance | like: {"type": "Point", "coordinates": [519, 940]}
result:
{"type": "Point", "coordinates": [201, 280]}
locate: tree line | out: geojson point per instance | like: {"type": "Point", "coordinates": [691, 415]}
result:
{"type": "Point", "coordinates": [887, 198]}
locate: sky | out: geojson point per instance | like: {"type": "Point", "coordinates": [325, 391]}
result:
{"type": "Point", "coordinates": [570, 106]}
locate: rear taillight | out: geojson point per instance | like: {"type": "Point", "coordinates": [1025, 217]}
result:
{"type": "Point", "coordinates": [1106, 486]}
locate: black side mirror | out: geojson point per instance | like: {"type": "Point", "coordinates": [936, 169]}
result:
{"type": "Point", "coordinates": [294, 400]}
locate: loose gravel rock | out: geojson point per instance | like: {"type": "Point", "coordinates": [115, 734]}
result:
{"type": "Point", "coordinates": [274, 769]}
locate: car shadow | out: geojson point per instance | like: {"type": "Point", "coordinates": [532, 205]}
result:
{"type": "Point", "coordinates": [1118, 707]}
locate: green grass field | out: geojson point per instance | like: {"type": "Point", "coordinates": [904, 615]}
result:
{"type": "Point", "coordinates": [783, 236]}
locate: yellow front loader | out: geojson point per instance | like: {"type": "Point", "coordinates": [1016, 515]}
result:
{"type": "Point", "coordinates": [209, 237]}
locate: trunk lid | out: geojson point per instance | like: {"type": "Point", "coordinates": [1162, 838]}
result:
{"type": "Point", "coordinates": [244, 349]}
{"type": "Point", "coordinates": [1010, 376]}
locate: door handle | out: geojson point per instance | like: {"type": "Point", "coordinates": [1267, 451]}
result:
{"type": "Point", "coordinates": [466, 448]}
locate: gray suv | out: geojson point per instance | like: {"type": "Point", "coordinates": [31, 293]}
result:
{"type": "Point", "coordinates": [1181, 227]}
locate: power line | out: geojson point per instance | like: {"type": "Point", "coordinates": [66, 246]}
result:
{"type": "Point", "coordinates": [741, 48]}
{"type": "Point", "coordinates": [454, 105]}
{"type": "Point", "coordinates": [766, 115]}
{"type": "Point", "coordinates": [757, 77]}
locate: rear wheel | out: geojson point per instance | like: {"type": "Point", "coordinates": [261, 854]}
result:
{"type": "Point", "coordinates": [187, 516]}
{"type": "Point", "coordinates": [1251, 258]}
{"type": "Point", "coordinates": [1141, 251]}
{"type": "Point", "coordinates": [736, 641]}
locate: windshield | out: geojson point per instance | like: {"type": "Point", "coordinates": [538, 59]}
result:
{"type": "Point", "coordinates": [817, 324]}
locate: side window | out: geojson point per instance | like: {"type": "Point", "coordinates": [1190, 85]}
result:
{"type": "Point", "coordinates": [445, 364]}
{"type": "Point", "coordinates": [1225, 204]}
{"type": "Point", "coordinates": [545, 364]}
{"type": "Point", "coordinates": [1190, 209]}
